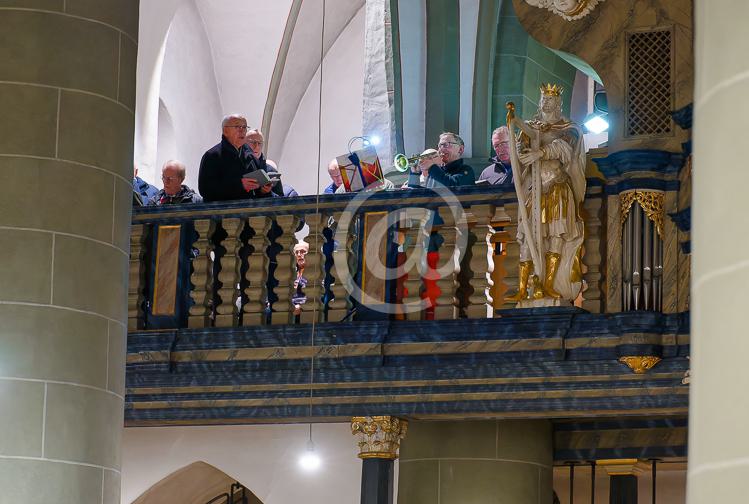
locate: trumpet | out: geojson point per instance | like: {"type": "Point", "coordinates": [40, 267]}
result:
{"type": "Point", "coordinates": [404, 164]}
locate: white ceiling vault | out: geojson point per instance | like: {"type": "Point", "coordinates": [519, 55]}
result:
{"type": "Point", "coordinates": [236, 64]}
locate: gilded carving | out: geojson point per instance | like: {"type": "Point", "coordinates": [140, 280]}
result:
{"type": "Point", "coordinates": [379, 436]}
{"type": "Point", "coordinates": [640, 363]}
{"type": "Point", "coordinates": [651, 203]}
{"type": "Point", "coordinates": [570, 10]}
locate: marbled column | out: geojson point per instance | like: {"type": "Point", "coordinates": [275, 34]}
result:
{"type": "Point", "coordinates": [718, 444]}
{"type": "Point", "coordinates": [67, 90]}
{"type": "Point", "coordinates": [476, 461]}
{"type": "Point", "coordinates": [614, 255]}
{"type": "Point", "coordinates": [670, 255]}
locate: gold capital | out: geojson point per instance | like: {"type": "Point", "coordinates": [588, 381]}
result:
{"type": "Point", "coordinates": [640, 363]}
{"type": "Point", "coordinates": [622, 467]}
{"type": "Point", "coordinates": [379, 436]}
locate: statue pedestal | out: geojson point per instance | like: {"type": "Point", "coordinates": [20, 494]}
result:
{"type": "Point", "coordinates": [542, 303]}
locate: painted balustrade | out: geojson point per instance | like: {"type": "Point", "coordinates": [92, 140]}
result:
{"type": "Point", "coordinates": [234, 264]}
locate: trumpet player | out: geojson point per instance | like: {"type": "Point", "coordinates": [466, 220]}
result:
{"type": "Point", "coordinates": [444, 166]}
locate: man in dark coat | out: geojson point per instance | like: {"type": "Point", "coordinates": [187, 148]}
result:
{"type": "Point", "coordinates": [453, 171]}
{"type": "Point", "coordinates": [223, 166]}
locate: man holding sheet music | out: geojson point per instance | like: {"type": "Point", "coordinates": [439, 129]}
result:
{"type": "Point", "coordinates": [228, 170]}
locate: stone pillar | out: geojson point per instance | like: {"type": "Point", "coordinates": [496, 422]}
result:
{"type": "Point", "coordinates": [719, 448]}
{"type": "Point", "coordinates": [67, 94]}
{"type": "Point", "coordinates": [379, 440]}
{"type": "Point", "coordinates": [623, 475]}
{"type": "Point", "coordinates": [476, 461]}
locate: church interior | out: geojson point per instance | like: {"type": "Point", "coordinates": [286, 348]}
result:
{"type": "Point", "coordinates": [487, 296]}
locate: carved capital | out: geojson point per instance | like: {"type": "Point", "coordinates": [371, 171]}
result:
{"type": "Point", "coordinates": [379, 436]}
{"type": "Point", "coordinates": [622, 467]}
{"type": "Point", "coordinates": [640, 363]}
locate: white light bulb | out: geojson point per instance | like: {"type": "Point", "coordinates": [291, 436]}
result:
{"type": "Point", "coordinates": [309, 461]}
{"type": "Point", "coordinates": [375, 140]}
{"type": "Point", "coordinates": [597, 124]}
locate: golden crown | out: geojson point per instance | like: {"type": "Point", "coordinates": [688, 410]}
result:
{"type": "Point", "coordinates": [551, 90]}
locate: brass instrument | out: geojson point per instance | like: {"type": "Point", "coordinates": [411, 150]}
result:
{"type": "Point", "coordinates": [404, 164]}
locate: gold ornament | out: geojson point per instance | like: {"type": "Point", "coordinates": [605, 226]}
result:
{"type": "Point", "coordinates": [651, 203]}
{"type": "Point", "coordinates": [379, 436]}
{"type": "Point", "coordinates": [640, 363]}
{"type": "Point", "coordinates": [551, 89]}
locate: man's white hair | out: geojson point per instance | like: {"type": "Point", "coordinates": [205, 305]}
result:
{"type": "Point", "coordinates": [179, 165]}
{"type": "Point", "coordinates": [229, 117]}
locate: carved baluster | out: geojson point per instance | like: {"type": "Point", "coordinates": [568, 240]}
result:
{"type": "Point", "coordinates": [594, 250]}
{"type": "Point", "coordinates": [313, 270]}
{"type": "Point", "coordinates": [481, 262]}
{"type": "Point", "coordinates": [447, 267]}
{"type": "Point", "coordinates": [227, 311]}
{"type": "Point", "coordinates": [413, 247]}
{"type": "Point", "coordinates": [613, 255]}
{"type": "Point", "coordinates": [135, 295]}
{"type": "Point", "coordinates": [512, 258]}
{"type": "Point", "coordinates": [257, 272]}
{"type": "Point", "coordinates": [339, 305]}
{"type": "Point", "coordinates": [285, 271]}
{"type": "Point", "coordinates": [202, 276]}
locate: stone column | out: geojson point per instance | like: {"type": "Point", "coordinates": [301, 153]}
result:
{"type": "Point", "coordinates": [379, 440]}
{"type": "Point", "coordinates": [476, 461]}
{"type": "Point", "coordinates": [67, 94]}
{"type": "Point", "coordinates": [718, 445]}
{"type": "Point", "coordinates": [623, 475]}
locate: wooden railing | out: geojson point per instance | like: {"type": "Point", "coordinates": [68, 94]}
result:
{"type": "Point", "coordinates": [233, 264]}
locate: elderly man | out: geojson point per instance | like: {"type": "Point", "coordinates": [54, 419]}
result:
{"type": "Point", "coordinates": [224, 165]}
{"type": "Point", "coordinates": [500, 171]}
{"type": "Point", "coordinates": [174, 191]}
{"type": "Point", "coordinates": [335, 176]}
{"type": "Point", "coordinates": [446, 167]}
{"type": "Point", "coordinates": [255, 142]}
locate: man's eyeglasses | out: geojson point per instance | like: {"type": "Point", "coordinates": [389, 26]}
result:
{"type": "Point", "coordinates": [168, 179]}
{"type": "Point", "coordinates": [256, 142]}
{"type": "Point", "coordinates": [243, 128]}
{"type": "Point", "coordinates": [446, 145]}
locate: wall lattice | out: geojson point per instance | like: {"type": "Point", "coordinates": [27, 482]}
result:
{"type": "Point", "coordinates": [649, 83]}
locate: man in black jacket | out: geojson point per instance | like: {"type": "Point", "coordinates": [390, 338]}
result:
{"type": "Point", "coordinates": [223, 166]}
{"type": "Point", "coordinates": [446, 166]}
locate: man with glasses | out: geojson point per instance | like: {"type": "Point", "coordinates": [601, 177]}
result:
{"type": "Point", "coordinates": [500, 171]}
{"type": "Point", "coordinates": [255, 141]}
{"type": "Point", "coordinates": [446, 167]}
{"type": "Point", "coordinates": [174, 191]}
{"type": "Point", "coordinates": [223, 166]}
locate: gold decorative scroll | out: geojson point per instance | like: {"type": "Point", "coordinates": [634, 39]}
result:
{"type": "Point", "coordinates": [622, 467]}
{"type": "Point", "coordinates": [650, 201]}
{"type": "Point", "coordinates": [379, 436]}
{"type": "Point", "coordinates": [640, 363]}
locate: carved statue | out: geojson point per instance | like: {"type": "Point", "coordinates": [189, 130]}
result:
{"type": "Point", "coordinates": [548, 164]}
{"type": "Point", "coordinates": [568, 9]}
{"type": "Point", "coordinates": [301, 250]}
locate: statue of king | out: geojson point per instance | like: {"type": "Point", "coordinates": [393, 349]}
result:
{"type": "Point", "coordinates": [548, 164]}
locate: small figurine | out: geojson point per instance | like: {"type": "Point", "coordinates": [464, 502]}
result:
{"type": "Point", "coordinates": [301, 250]}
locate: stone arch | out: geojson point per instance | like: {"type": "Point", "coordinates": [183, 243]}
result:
{"type": "Point", "coordinates": [196, 483]}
